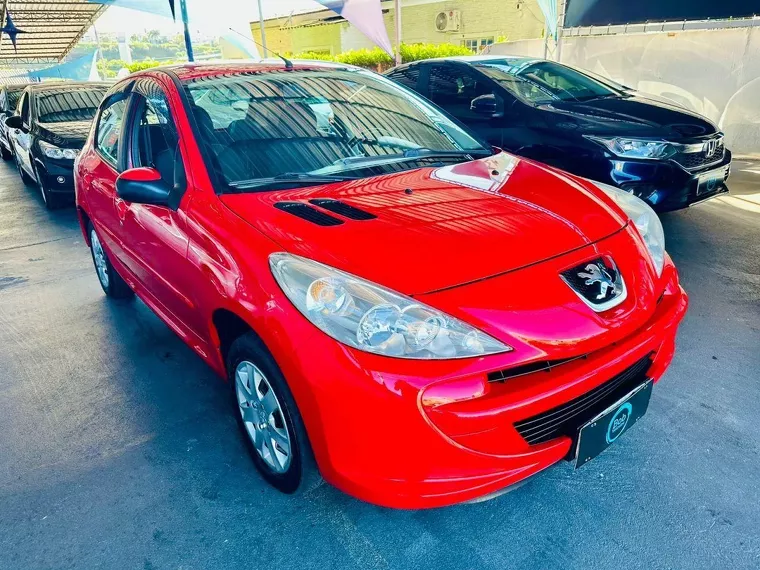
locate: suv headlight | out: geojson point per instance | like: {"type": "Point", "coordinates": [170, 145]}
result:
{"type": "Point", "coordinates": [635, 148]}
{"type": "Point", "coordinates": [646, 221]}
{"type": "Point", "coordinates": [374, 319]}
{"type": "Point", "coordinates": [52, 151]}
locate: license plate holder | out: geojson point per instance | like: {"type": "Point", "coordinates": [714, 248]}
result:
{"type": "Point", "coordinates": [711, 181]}
{"type": "Point", "coordinates": [605, 428]}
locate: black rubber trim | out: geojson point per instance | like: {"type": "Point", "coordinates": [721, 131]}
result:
{"type": "Point", "coordinates": [343, 209]}
{"type": "Point", "coordinates": [306, 212]}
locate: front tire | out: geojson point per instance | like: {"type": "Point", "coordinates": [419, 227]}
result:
{"type": "Point", "coordinates": [51, 201]}
{"type": "Point", "coordinates": [5, 153]}
{"type": "Point", "coordinates": [113, 285]}
{"type": "Point", "coordinates": [25, 178]}
{"type": "Point", "coordinates": [269, 419]}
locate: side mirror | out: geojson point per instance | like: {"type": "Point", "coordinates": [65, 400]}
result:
{"type": "Point", "coordinates": [143, 186]}
{"type": "Point", "coordinates": [488, 105]}
{"type": "Point", "coordinates": [14, 122]}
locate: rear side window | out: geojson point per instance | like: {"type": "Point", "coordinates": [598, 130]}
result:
{"type": "Point", "coordinates": [109, 127]}
{"type": "Point", "coordinates": [407, 77]}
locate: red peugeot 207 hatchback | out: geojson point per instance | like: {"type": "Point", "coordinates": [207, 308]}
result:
{"type": "Point", "coordinates": [419, 317]}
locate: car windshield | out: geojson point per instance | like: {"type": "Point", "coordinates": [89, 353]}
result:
{"type": "Point", "coordinates": [74, 105]}
{"type": "Point", "coordinates": [297, 127]}
{"type": "Point", "coordinates": [545, 81]}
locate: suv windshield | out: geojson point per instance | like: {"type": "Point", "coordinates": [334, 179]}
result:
{"type": "Point", "coordinates": [272, 128]}
{"type": "Point", "coordinates": [75, 105]}
{"type": "Point", "coordinates": [545, 81]}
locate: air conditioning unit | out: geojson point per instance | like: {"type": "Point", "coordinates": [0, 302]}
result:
{"type": "Point", "coordinates": [450, 21]}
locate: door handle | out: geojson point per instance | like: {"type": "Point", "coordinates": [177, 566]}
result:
{"type": "Point", "coordinates": [121, 208]}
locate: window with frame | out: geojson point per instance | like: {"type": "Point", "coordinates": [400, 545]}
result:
{"type": "Point", "coordinates": [154, 138]}
{"type": "Point", "coordinates": [109, 127]}
{"type": "Point", "coordinates": [476, 45]}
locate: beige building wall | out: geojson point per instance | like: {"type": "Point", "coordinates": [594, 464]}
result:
{"type": "Point", "coordinates": [481, 21]}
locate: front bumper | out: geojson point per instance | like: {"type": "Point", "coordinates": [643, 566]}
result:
{"type": "Point", "coordinates": [418, 434]}
{"type": "Point", "coordinates": [664, 185]}
{"type": "Point", "coordinates": [57, 177]}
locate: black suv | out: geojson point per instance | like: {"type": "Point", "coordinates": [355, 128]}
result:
{"type": "Point", "coordinates": [47, 131]}
{"type": "Point", "coordinates": [581, 123]}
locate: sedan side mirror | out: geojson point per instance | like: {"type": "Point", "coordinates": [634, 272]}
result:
{"type": "Point", "coordinates": [488, 105]}
{"type": "Point", "coordinates": [14, 122]}
{"type": "Point", "coordinates": [143, 186]}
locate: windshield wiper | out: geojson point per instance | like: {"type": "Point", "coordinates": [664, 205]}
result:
{"type": "Point", "coordinates": [289, 177]}
{"type": "Point", "coordinates": [410, 154]}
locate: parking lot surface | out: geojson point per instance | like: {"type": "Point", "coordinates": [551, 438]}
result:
{"type": "Point", "coordinates": [118, 448]}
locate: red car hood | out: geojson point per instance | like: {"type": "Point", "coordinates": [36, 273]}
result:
{"type": "Point", "coordinates": [438, 228]}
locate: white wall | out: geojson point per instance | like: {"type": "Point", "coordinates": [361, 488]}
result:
{"type": "Point", "coordinates": [714, 72]}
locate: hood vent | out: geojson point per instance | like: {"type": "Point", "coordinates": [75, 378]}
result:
{"type": "Point", "coordinates": [306, 212]}
{"type": "Point", "coordinates": [343, 209]}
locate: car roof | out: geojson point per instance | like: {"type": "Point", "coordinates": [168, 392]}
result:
{"type": "Point", "coordinates": [66, 86]}
{"type": "Point", "coordinates": [475, 59]}
{"type": "Point", "coordinates": [189, 71]}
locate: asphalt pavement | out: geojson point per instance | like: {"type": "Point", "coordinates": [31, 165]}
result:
{"type": "Point", "coordinates": [118, 448]}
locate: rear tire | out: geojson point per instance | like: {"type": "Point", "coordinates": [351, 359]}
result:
{"type": "Point", "coordinates": [270, 423]}
{"type": "Point", "coordinates": [113, 285]}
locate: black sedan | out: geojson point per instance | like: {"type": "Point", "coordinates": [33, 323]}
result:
{"type": "Point", "coordinates": [9, 96]}
{"type": "Point", "coordinates": [581, 123]}
{"type": "Point", "coordinates": [47, 130]}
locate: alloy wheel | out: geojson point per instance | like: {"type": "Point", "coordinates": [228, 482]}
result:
{"type": "Point", "coordinates": [99, 256]}
{"type": "Point", "coordinates": [263, 417]}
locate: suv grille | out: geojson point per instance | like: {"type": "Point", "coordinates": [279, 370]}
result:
{"type": "Point", "coordinates": [568, 418]}
{"type": "Point", "coordinates": [700, 159]}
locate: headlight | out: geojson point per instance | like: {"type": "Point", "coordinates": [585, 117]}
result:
{"type": "Point", "coordinates": [52, 151]}
{"type": "Point", "coordinates": [646, 221]}
{"type": "Point", "coordinates": [374, 319]}
{"type": "Point", "coordinates": [635, 148]}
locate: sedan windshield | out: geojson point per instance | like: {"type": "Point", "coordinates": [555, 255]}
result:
{"type": "Point", "coordinates": [12, 97]}
{"type": "Point", "coordinates": [75, 105]}
{"type": "Point", "coordinates": [267, 130]}
{"type": "Point", "coordinates": [545, 81]}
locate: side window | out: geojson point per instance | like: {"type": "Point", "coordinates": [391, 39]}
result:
{"type": "Point", "coordinates": [154, 137]}
{"type": "Point", "coordinates": [407, 77]}
{"type": "Point", "coordinates": [452, 86]}
{"type": "Point", "coordinates": [109, 127]}
{"type": "Point", "coordinates": [25, 109]}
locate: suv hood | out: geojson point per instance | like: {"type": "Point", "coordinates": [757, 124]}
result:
{"type": "Point", "coordinates": [433, 229]}
{"type": "Point", "coordinates": [67, 134]}
{"type": "Point", "coordinates": [633, 115]}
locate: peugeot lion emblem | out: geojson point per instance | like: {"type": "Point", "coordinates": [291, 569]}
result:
{"type": "Point", "coordinates": [595, 274]}
{"type": "Point", "coordinates": [597, 282]}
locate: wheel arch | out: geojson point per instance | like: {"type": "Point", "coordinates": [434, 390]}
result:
{"type": "Point", "coordinates": [226, 326]}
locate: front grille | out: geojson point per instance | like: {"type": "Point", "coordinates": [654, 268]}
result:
{"type": "Point", "coordinates": [568, 418]}
{"type": "Point", "coordinates": [700, 159]}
